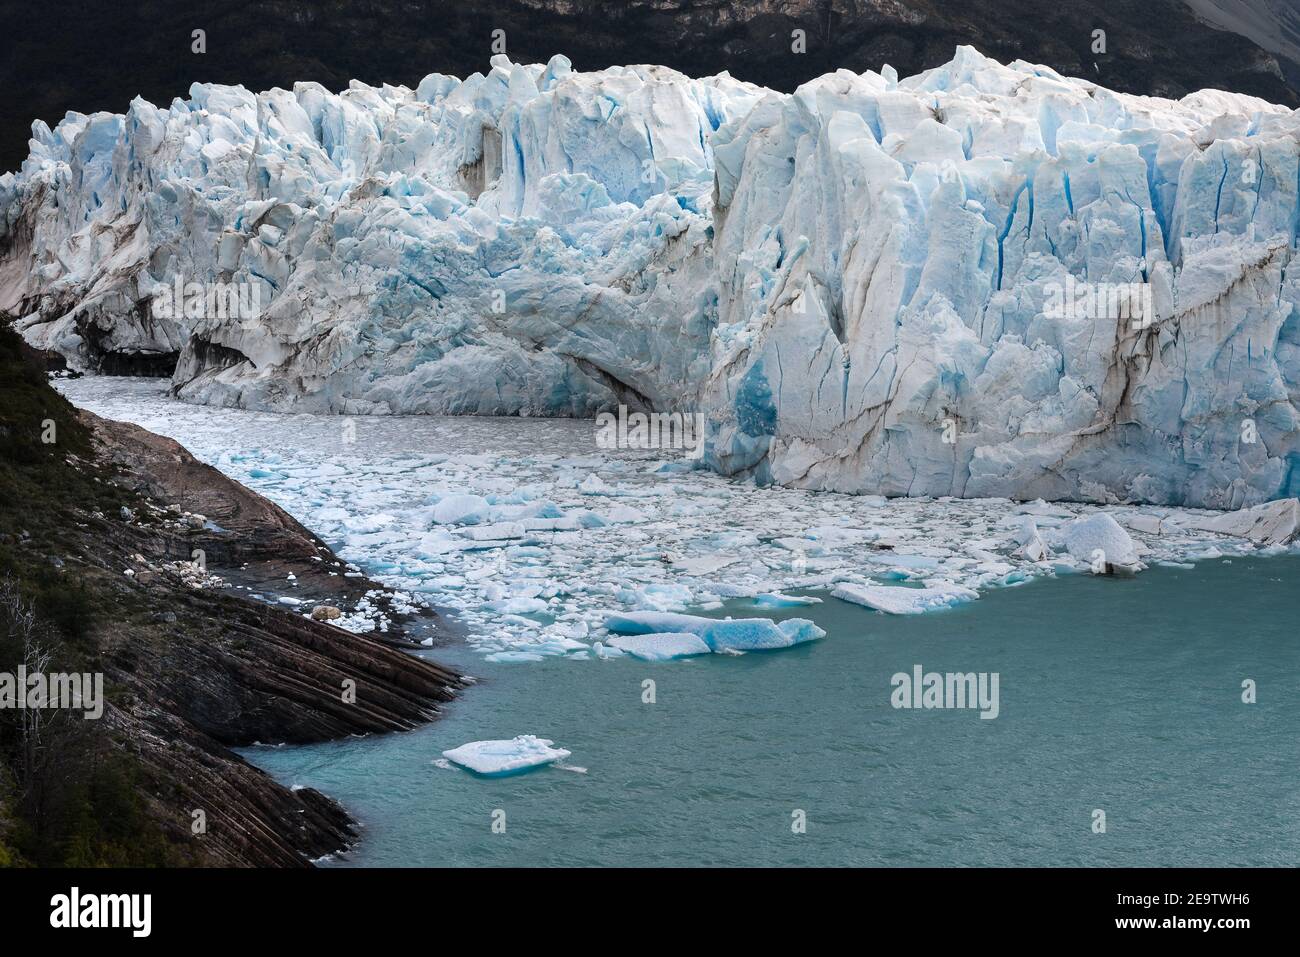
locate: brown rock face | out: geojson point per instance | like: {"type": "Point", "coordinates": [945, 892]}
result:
{"type": "Point", "coordinates": [208, 669]}
{"type": "Point", "coordinates": [97, 550]}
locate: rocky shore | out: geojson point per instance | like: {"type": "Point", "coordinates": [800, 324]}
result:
{"type": "Point", "coordinates": [142, 542]}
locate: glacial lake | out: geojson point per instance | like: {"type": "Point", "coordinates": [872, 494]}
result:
{"type": "Point", "coordinates": [1123, 696]}
{"type": "Point", "coordinates": [1119, 696]}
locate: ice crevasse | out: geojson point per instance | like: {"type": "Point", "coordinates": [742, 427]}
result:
{"type": "Point", "coordinates": [854, 283]}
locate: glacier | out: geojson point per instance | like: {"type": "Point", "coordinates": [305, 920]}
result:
{"type": "Point", "coordinates": [853, 283]}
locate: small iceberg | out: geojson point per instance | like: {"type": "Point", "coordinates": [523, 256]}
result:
{"type": "Point", "coordinates": [720, 635]}
{"type": "Point", "coordinates": [663, 646]}
{"type": "Point", "coordinates": [1032, 546]}
{"type": "Point", "coordinates": [460, 510]}
{"type": "Point", "coordinates": [774, 599]}
{"type": "Point", "coordinates": [897, 600]}
{"type": "Point", "coordinates": [799, 630]}
{"type": "Point", "coordinates": [1101, 542]}
{"type": "Point", "coordinates": [498, 759]}
{"type": "Point", "coordinates": [514, 657]}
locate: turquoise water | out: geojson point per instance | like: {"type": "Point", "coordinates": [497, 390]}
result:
{"type": "Point", "coordinates": [1123, 696]}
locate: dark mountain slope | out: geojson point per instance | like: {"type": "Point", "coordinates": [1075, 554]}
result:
{"type": "Point", "coordinates": [90, 55]}
{"type": "Point", "coordinates": [1273, 24]}
{"type": "Point", "coordinates": [96, 575]}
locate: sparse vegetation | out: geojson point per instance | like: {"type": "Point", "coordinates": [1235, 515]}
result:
{"type": "Point", "coordinates": [69, 792]}
{"type": "Point", "coordinates": [91, 525]}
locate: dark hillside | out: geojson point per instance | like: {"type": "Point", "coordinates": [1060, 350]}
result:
{"type": "Point", "coordinates": [95, 576]}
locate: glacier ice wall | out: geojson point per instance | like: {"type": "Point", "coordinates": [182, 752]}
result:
{"type": "Point", "coordinates": [530, 241]}
{"type": "Point", "coordinates": [886, 254]}
{"type": "Point", "coordinates": [853, 282]}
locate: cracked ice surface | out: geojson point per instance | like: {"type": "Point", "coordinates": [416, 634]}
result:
{"type": "Point", "coordinates": [497, 519]}
{"type": "Point", "coordinates": [851, 281]}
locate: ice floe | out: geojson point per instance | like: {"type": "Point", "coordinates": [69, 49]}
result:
{"type": "Point", "coordinates": [777, 600]}
{"type": "Point", "coordinates": [662, 646]}
{"type": "Point", "coordinates": [718, 634]}
{"type": "Point", "coordinates": [904, 601]}
{"type": "Point", "coordinates": [500, 758]}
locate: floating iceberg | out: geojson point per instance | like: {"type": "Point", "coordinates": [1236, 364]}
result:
{"type": "Point", "coordinates": [799, 630]}
{"type": "Point", "coordinates": [498, 759]}
{"type": "Point", "coordinates": [1099, 538]}
{"type": "Point", "coordinates": [661, 646]}
{"type": "Point", "coordinates": [514, 657]}
{"type": "Point", "coordinates": [719, 634]}
{"type": "Point", "coordinates": [1032, 545]}
{"type": "Point", "coordinates": [777, 600]}
{"type": "Point", "coordinates": [901, 600]}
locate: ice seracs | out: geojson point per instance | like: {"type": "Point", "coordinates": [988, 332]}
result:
{"type": "Point", "coordinates": [987, 280]}
{"type": "Point", "coordinates": [529, 240]}
{"type": "Point", "coordinates": [501, 758]}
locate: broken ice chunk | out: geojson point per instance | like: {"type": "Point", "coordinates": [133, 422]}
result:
{"type": "Point", "coordinates": [623, 513]}
{"type": "Point", "coordinates": [704, 564]}
{"type": "Point", "coordinates": [498, 759]}
{"type": "Point", "coordinates": [1146, 524]}
{"type": "Point", "coordinates": [773, 599]}
{"type": "Point", "coordinates": [909, 562]}
{"type": "Point", "coordinates": [514, 657]}
{"type": "Point", "coordinates": [799, 630]}
{"type": "Point", "coordinates": [745, 634]}
{"type": "Point", "coordinates": [497, 531]}
{"type": "Point", "coordinates": [1099, 538]}
{"type": "Point", "coordinates": [728, 634]}
{"type": "Point", "coordinates": [516, 606]}
{"type": "Point", "coordinates": [898, 600]}
{"type": "Point", "coordinates": [1032, 546]}
{"type": "Point", "coordinates": [461, 510]}
{"type": "Point", "coordinates": [662, 646]}
{"type": "Point", "coordinates": [649, 622]}
{"type": "Point", "coordinates": [1272, 523]}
